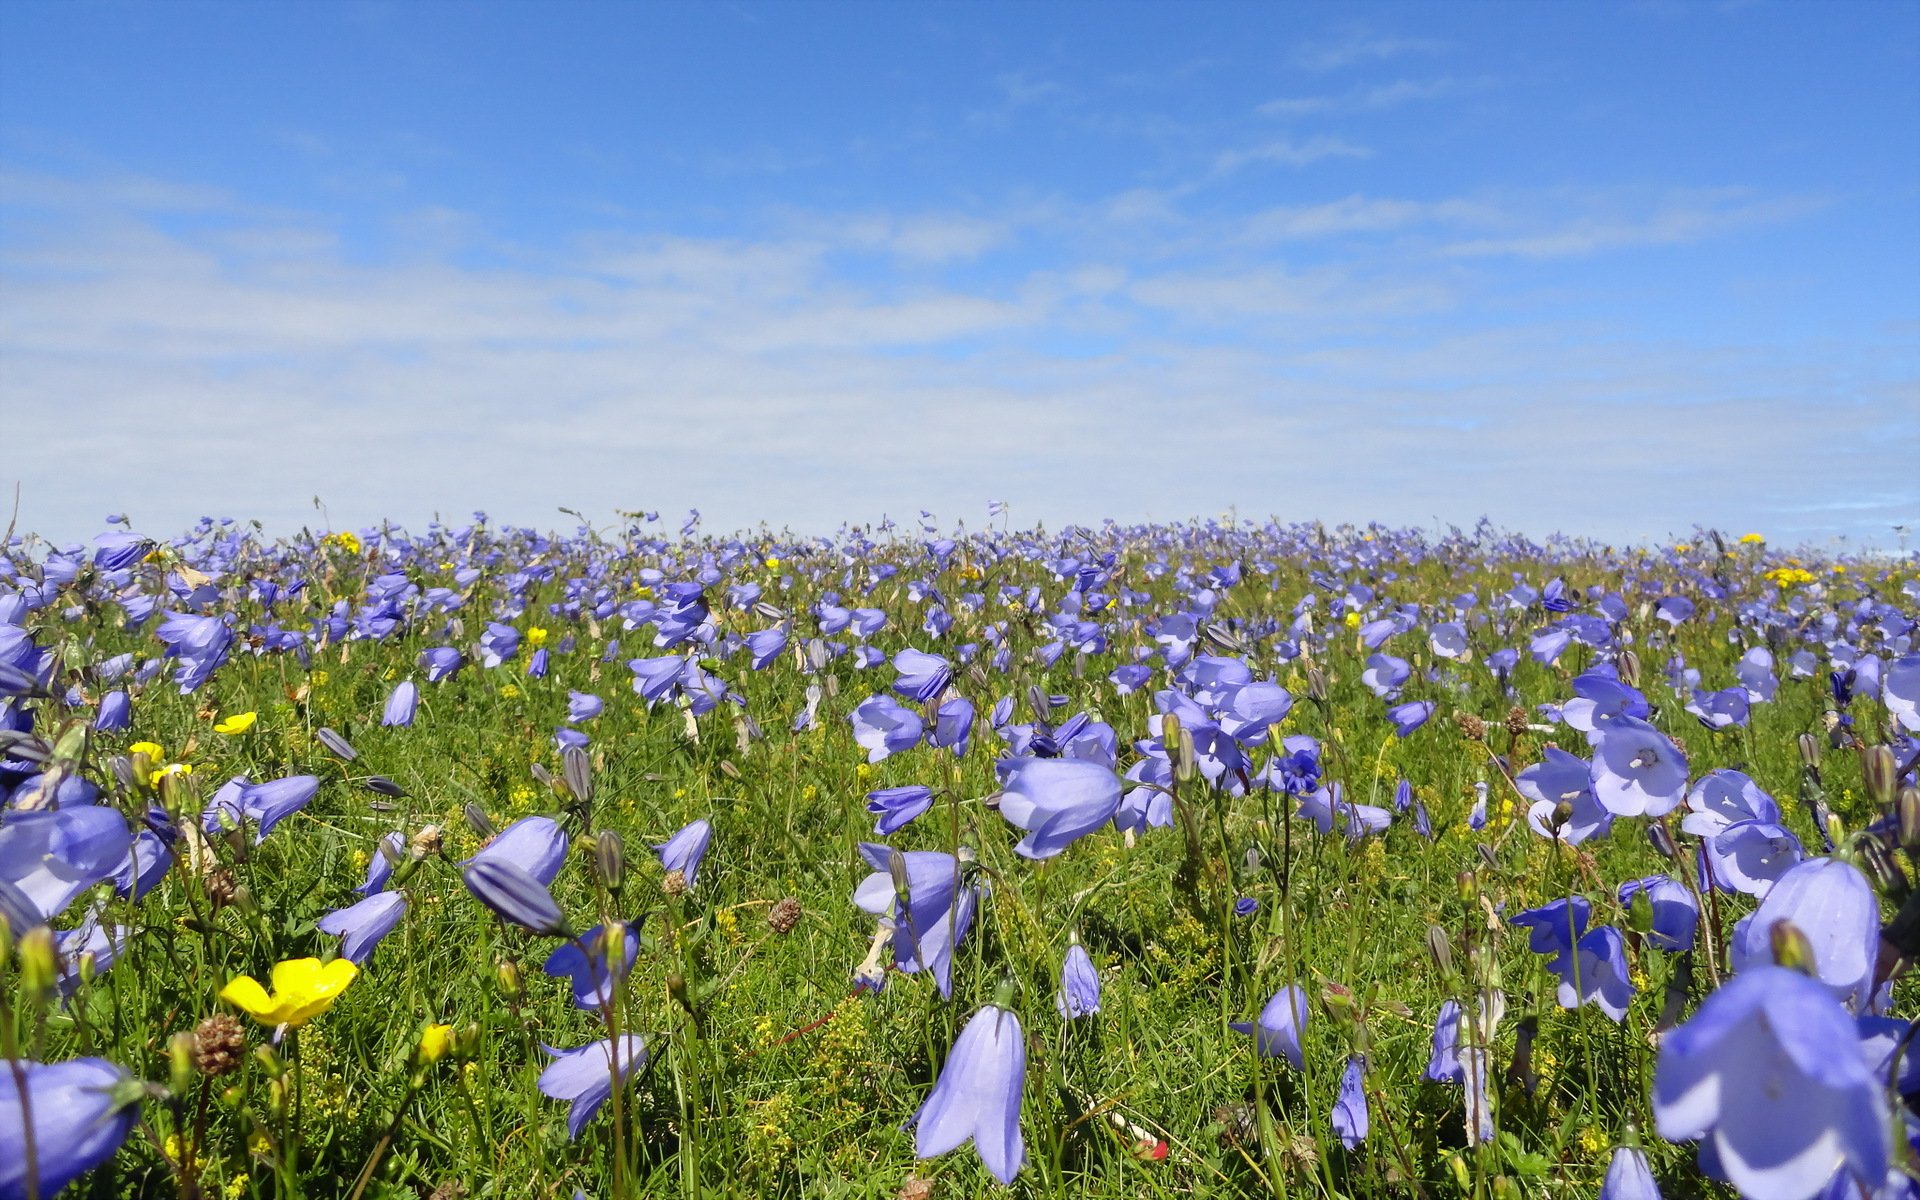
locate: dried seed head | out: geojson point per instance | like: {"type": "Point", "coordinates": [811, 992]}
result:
{"type": "Point", "coordinates": [219, 1045]}
{"type": "Point", "coordinates": [222, 887]}
{"type": "Point", "coordinates": [1517, 720]}
{"type": "Point", "coordinates": [426, 843]}
{"type": "Point", "coordinates": [1471, 727]}
{"type": "Point", "coordinates": [783, 916]}
{"type": "Point", "coordinates": [916, 1188]}
{"type": "Point", "coordinates": [675, 883]}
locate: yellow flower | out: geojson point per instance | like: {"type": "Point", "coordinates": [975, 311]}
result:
{"type": "Point", "coordinates": [535, 635]}
{"type": "Point", "coordinates": [773, 564]}
{"type": "Point", "coordinates": [346, 541]}
{"type": "Point", "coordinates": [435, 1041]}
{"type": "Point", "coordinates": [1752, 539]}
{"type": "Point", "coordinates": [303, 988]}
{"type": "Point", "coordinates": [154, 779]}
{"type": "Point", "coordinates": [237, 723]}
{"type": "Point", "coordinates": [153, 750]}
{"type": "Point", "coordinates": [1353, 620]}
{"type": "Point", "coordinates": [508, 691]}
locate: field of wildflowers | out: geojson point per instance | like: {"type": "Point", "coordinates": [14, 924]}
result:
{"type": "Point", "coordinates": [1205, 859]}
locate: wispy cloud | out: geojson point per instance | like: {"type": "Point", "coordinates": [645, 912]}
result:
{"type": "Point", "coordinates": [1286, 152]}
{"type": "Point", "coordinates": [1679, 221]}
{"type": "Point", "coordinates": [1372, 99]}
{"type": "Point", "coordinates": [1359, 46]}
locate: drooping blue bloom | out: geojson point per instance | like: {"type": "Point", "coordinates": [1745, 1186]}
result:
{"type": "Point", "coordinates": [923, 676]}
{"type": "Point", "coordinates": [51, 856]}
{"type": "Point", "coordinates": [1562, 778]}
{"type": "Point", "coordinates": [1628, 1176]}
{"type": "Point", "coordinates": [1751, 856]}
{"type": "Point", "coordinates": [537, 664]}
{"type": "Point", "coordinates": [583, 706]}
{"type": "Point", "coordinates": [200, 643]}
{"type": "Point", "coordinates": [584, 1076]}
{"type": "Point", "coordinates": [1676, 914]}
{"type": "Point", "coordinates": [655, 678]}
{"type": "Point", "coordinates": [1673, 609]}
{"type": "Point", "coordinates": [977, 1095]}
{"type": "Point", "coordinates": [1277, 1033]}
{"type": "Point", "coordinates": [683, 851]}
{"type": "Point", "coordinates": [1600, 697]}
{"type": "Point", "coordinates": [933, 916]}
{"type": "Point", "coordinates": [952, 725]}
{"type": "Point", "coordinates": [1769, 1074]}
{"type": "Point", "coordinates": [1386, 675]}
{"type": "Point", "coordinates": [896, 806]}
{"type": "Point", "coordinates": [1725, 709]}
{"type": "Point", "coordinates": [116, 712]}
{"type": "Point", "coordinates": [585, 961]}
{"type": "Point", "coordinates": [440, 662]}
{"type": "Point", "coordinates": [765, 645]}
{"type": "Point", "coordinates": [537, 845]}
{"type": "Point", "coordinates": [513, 895]}
{"type": "Point", "coordinates": [88, 945]}
{"type": "Point", "coordinates": [1637, 770]}
{"type": "Point", "coordinates": [1055, 800]}
{"type": "Point", "coordinates": [1830, 902]}
{"type": "Point", "coordinates": [884, 727]}
{"type": "Point", "coordinates": [259, 807]}
{"type": "Point", "coordinates": [1443, 1059]}
{"type": "Point", "coordinates": [364, 923]}
{"type": "Point", "coordinates": [81, 1114]}
{"type": "Point", "coordinates": [390, 849]}
{"type": "Point", "coordinates": [1591, 964]}
{"type": "Point", "coordinates": [1079, 993]}
{"type": "Point", "coordinates": [117, 550]}
{"type": "Point", "coordinates": [1245, 906]}
{"type": "Point", "coordinates": [1410, 716]}
{"type": "Point", "coordinates": [1900, 691]}
{"type": "Point", "coordinates": [148, 860]}
{"type": "Point", "coordinates": [1350, 1106]}
{"type": "Point", "coordinates": [401, 704]}
{"type": "Point", "coordinates": [498, 643]}
{"type": "Point", "coordinates": [1327, 805]}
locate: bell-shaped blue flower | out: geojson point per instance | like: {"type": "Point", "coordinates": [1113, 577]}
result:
{"type": "Point", "coordinates": [977, 1096]}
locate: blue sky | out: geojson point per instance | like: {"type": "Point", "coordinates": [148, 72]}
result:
{"type": "Point", "coordinates": [1608, 269]}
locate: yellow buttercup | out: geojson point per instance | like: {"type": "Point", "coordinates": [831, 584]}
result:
{"type": "Point", "coordinates": [237, 723]}
{"type": "Point", "coordinates": [303, 988]}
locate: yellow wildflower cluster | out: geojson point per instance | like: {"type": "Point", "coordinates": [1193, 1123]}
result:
{"type": "Point", "coordinates": [1788, 576]}
{"type": "Point", "coordinates": [345, 539]}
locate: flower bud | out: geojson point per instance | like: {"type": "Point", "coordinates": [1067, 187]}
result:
{"type": "Point", "coordinates": [1809, 751]}
{"type": "Point", "coordinates": [1882, 774]}
{"type": "Point", "coordinates": [180, 1062]}
{"type": "Point", "coordinates": [1440, 949]}
{"type": "Point", "coordinates": [677, 988]}
{"type": "Point", "coordinates": [1640, 912]}
{"type": "Point", "coordinates": [1662, 840]}
{"type": "Point", "coordinates": [577, 772]}
{"type": "Point", "coordinates": [478, 821]}
{"type": "Point", "coordinates": [1316, 685]}
{"type": "Point", "coordinates": [1791, 949]}
{"type": "Point", "coordinates": [1467, 884]}
{"type": "Point", "coordinates": [1908, 808]}
{"type": "Point", "coordinates": [1877, 862]}
{"type": "Point", "coordinates": [506, 976]}
{"type": "Point", "coordinates": [39, 965]}
{"type": "Point", "coordinates": [1628, 666]}
{"type": "Point", "coordinates": [610, 860]}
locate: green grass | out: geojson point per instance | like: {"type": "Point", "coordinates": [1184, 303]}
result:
{"type": "Point", "coordinates": [783, 1080]}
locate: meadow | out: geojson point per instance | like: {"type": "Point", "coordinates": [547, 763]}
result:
{"type": "Point", "coordinates": [1204, 859]}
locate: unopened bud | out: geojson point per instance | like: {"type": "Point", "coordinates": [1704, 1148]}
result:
{"type": "Point", "coordinates": [506, 976]}
{"type": "Point", "coordinates": [1809, 751]}
{"type": "Point", "coordinates": [1440, 949]}
{"type": "Point", "coordinates": [1628, 666]}
{"type": "Point", "coordinates": [1908, 808]}
{"type": "Point", "coordinates": [39, 966]}
{"type": "Point", "coordinates": [180, 1062]}
{"type": "Point", "coordinates": [1886, 875]}
{"type": "Point", "coordinates": [1316, 685]}
{"type": "Point", "coordinates": [610, 859]}
{"type": "Point", "coordinates": [677, 988]}
{"type": "Point", "coordinates": [1791, 949]}
{"type": "Point", "coordinates": [478, 821]}
{"type": "Point", "coordinates": [1663, 844]}
{"type": "Point", "coordinates": [1640, 912]}
{"type": "Point", "coordinates": [1467, 884]}
{"type": "Point", "coordinates": [1882, 774]}
{"type": "Point", "coordinates": [577, 771]}
{"type": "Point", "coordinates": [334, 742]}
{"type": "Point", "coordinates": [1189, 760]}
{"type": "Point", "coordinates": [1338, 1002]}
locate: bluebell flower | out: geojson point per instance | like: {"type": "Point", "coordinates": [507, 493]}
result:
{"type": "Point", "coordinates": [923, 676]}
{"type": "Point", "coordinates": [514, 895]}
{"type": "Point", "coordinates": [1628, 1176]}
{"type": "Point", "coordinates": [1245, 906]}
{"type": "Point", "coordinates": [1725, 709]}
{"type": "Point", "coordinates": [1443, 1058]}
{"type": "Point", "coordinates": [952, 725]}
{"type": "Point", "coordinates": [115, 712]}
{"type": "Point", "coordinates": [655, 678]}
{"type": "Point", "coordinates": [1327, 805]}
{"type": "Point", "coordinates": [1676, 914]}
{"type": "Point", "coordinates": [933, 916]}
{"type": "Point", "coordinates": [537, 664]}
{"type": "Point", "coordinates": [1562, 778]}
{"type": "Point", "coordinates": [401, 704]}
{"type": "Point", "coordinates": [765, 645]}
{"type": "Point", "coordinates": [118, 550]}
{"type": "Point", "coordinates": [1750, 856]}
{"type": "Point", "coordinates": [1386, 675]}
{"type": "Point", "coordinates": [1637, 770]}
{"type": "Point", "coordinates": [1673, 609]}
{"type": "Point", "coordinates": [1591, 964]}
{"type": "Point", "coordinates": [364, 923]}
{"type": "Point", "coordinates": [258, 807]}
{"type": "Point", "coordinates": [1079, 993]}
{"type": "Point", "coordinates": [1055, 800]}
{"type": "Point", "coordinates": [585, 962]}
{"type": "Point", "coordinates": [896, 806]}
{"type": "Point", "coordinates": [498, 643]}
{"type": "Point", "coordinates": [1277, 1033]}
{"type": "Point", "coordinates": [147, 862]}
{"type": "Point", "coordinates": [683, 851]}
{"type": "Point", "coordinates": [81, 1113]}
{"type": "Point", "coordinates": [584, 1076]}
{"type": "Point", "coordinates": [977, 1095]}
{"type": "Point", "coordinates": [537, 845]}
{"type": "Point", "coordinates": [1410, 716]}
{"type": "Point", "coordinates": [201, 645]}
{"type": "Point", "coordinates": [440, 662]}
{"type": "Point", "coordinates": [88, 945]}
{"type": "Point", "coordinates": [1769, 1075]}
{"type": "Point", "coordinates": [883, 727]}
{"type": "Point", "coordinates": [583, 706]}
{"type": "Point", "coordinates": [1830, 902]}
{"type": "Point", "coordinates": [1350, 1106]}
{"type": "Point", "coordinates": [1900, 691]}
{"type": "Point", "coordinates": [1598, 698]}
{"type": "Point", "coordinates": [51, 856]}
{"type": "Point", "coordinates": [388, 851]}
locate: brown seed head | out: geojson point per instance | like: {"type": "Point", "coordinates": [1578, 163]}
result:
{"type": "Point", "coordinates": [783, 916]}
{"type": "Point", "coordinates": [219, 1045]}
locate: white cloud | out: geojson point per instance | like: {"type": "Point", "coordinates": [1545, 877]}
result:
{"type": "Point", "coordinates": [1359, 46]}
{"type": "Point", "coordinates": [1287, 153]}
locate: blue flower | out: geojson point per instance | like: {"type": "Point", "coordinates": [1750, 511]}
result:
{"type": "Point", "coordinates": [1628, 1176]}
{"type": "Point", "coordinates": [50, 857]}
{"type": "Point", "coordinates": [401, 704]}
{"type": "Point", "coordinates": [1079, 993]}
{"type": "Point", "coordinates": [81, 1115]}
{"type": "Point", "coordinates": [1676, 914]}
{"type": "Point", "coordinates": [584, 1076]}
{"type": "Point", "coordinates": [1830, 902]}
{"type": "Point", "coordinates": [1770, 1075]}
{"type": "Point", "coordinates": [239, 804]}
{"type": "Point", "coordinates": [1277, 1033]}
{"type": "Point", "coordinates": [897, 806]}
{"type": "Point", "coordinates": [200, 643]}
{"type": "Point", "coordinates": [977, 1095]}
{"type": "Point", "coordinates": [1350, 1106]}
{"type": "Point", "coordinates": [363, 924]}
{"type": "Point", "coordinates": [583, 706]}
{"type": "Point", "coordinates": [1410, 716]}
{"type": "Point", "coordinates": [584, 960]}
{"type": "Point", "coordinates": [537, 845]}
{"type": "Point", "coordinates": [514, 895]}
{"type": "Point", "coordinates": [1055, 800]}
{"type": "Point", "coordinates": [683, 851]}
{"type": "Point", "coordinates": [1637, 770]}
{"type": "Point", "coordinates": [883, 726]}
{"type": "Point", "coordinates": [923, 676]}
{"type": "Point", "coordinates": [440, 662]}
{"type": "Point", "coordinates": [930, 919]}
